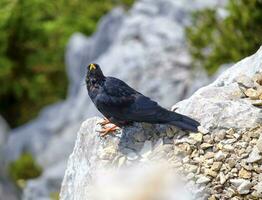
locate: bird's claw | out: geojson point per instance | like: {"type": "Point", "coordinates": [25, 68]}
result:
{"type": "Point", "coordinates": [108, 130]}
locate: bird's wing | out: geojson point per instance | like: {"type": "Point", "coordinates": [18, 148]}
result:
{"type": "Point", "coordinates": [117, 94]}
{"type": "Point", "coordinates": [145, 110]}
{"type": "Point", "coordinates": [123, 102]}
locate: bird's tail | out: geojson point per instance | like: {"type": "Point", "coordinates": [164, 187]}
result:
{"type": "Point", "coordinates": [183, 122]}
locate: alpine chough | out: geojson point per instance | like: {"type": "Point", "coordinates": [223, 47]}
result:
{"type": "Point", "coordinates": [121, 105]}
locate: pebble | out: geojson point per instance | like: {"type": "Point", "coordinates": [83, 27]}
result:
{"type": "Point", "coordinates": [231, 162]}
{"type": "Point", "coordinates": [257, 102]}
{"type": "Point", "coordinates": [209, 155]}
{"type": "Point", "coordinates": [205, 145]}
{"type": "Point", "coordinates": [201, 129]}
{"type": "Point", "coordinates": [216, 166]}
{"type": "Point", "coordinates": [228, 147]}
{"type": "Point", "coordinates": [243, 186]}
{"type": "Point", "coordinates": [220, 156]}
{"type": "Point", "coordinates": [252, 93]}
{"type": "Point", "coordinates": [211, 173]}
{"type": "Point", "coordinates": [222, 178]}
{"type": "Point", "coordinates": [203, 179]}
{"type": "Point", "coordinates": [254, 156]}
{"type": "Point", "coordinates": [212, 197]}
{"type": "Point", "coordinates": [259, 143]}
{"type": "Point", "coordinates": [258, 189]}
{"type": "Point", "coordinates": [198, 137]}
{"type": "Point", "coordinates": [244, 174]}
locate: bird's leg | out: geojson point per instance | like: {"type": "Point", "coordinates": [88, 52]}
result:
{"type": "Point", "coordinates": [108, 130]}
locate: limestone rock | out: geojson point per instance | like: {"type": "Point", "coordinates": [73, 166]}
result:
{"type": "Point", "coordinates": [223, 162]}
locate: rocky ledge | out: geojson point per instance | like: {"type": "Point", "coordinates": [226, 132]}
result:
{"type": "Point", "coordinates": [222, 161]}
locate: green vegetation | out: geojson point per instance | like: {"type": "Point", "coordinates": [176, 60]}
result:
{"type": "Point", "coordinates": [214, 41]}
{"type": "Point", "coordinates": [54, 196]}
{"type": "Point", "coordinates": [24, 168]}
{"type": "Point", "coordinates": [33, 36]}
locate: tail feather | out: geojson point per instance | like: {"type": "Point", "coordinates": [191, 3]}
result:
{"type": "Point", "coordinates": [184, 122]}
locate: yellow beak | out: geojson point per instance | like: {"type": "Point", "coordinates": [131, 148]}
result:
{"type": "Point", "coordinates": [92, 66]}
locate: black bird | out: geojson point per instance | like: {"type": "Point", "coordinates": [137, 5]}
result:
{"type": "Point", "coordinates": [122, 105]}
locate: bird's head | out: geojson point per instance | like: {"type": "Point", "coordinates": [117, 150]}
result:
{"type": "Point", "coordinates": [94, 75]}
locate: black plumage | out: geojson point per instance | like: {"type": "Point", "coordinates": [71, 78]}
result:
{"type": "Point", "coordinates": [122, 105]}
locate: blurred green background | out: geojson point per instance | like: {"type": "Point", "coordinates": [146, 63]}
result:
{"type": "Point", "coordinates": [34, 33]}
{"type": "Point", "coordinates": [33, 36]}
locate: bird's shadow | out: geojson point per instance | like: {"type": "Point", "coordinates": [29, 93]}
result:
{"type": "Point", "coordinates": [133, 137]}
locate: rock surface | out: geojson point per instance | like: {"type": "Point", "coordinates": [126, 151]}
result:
{"type": "Point", "coordinates": [145, 47]}
{"type": "Point", "coordinates": [222, 161]}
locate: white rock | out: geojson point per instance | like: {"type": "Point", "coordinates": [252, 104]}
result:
{"type": "Point", "coordinates": [254, 156]}
{"type": "Point", "coordinates": [259, 144]}
{"type": "Point", "coordinates": [219, 156]}
{"type": "Point", "coordinates": [258, 188]}
{"type": "Point", "coordinates": [203, 180]}
{"type": "Point", "coordinates": [243, 186]}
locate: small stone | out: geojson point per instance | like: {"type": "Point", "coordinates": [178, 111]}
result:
{"type": "Point", "coordinates": [212, 197]}
{"type": "Point", "coordinates": [221, 135]}
{"type": "Point", "coordinates": [245, 80]}
{"type": "Point", "coordinates": [256, 102]}
{"type": "Point", "coordinates": [209, 161]}
{"type": "Point", "coordinates": [236, 135]}
{"type": "Point", "coordinates": [231, 162]}
{"type": "Point", "coordinates": [220, 146]}
{"type": "Point", "coordinates": [219, 156]}
{"type": "Point", "coordinates": [254, 156]}
{"type": "Point", "coordinates": [237, 182]}
{"type": "Point", "coordinates": [216, 166]}
{"type": "Point", "coordinates": [234, 170]}
{"type": "Point", "coordinates": [203, 179]}
{"type": "Point", "coordinates": [259, 143]}
{"type": "Point", "coordinates": [209, 155]}
{"type": "Point", "coordinates": [230, 192]}
{"type": "Point", "coordinates": [191, 168]}
{"type": "Point", "coordinates": [244, 174]}
{"type": "Point", "coordinates": [258, 78]}
{"type": "Point", "coordinates": [201, 129]}
{"type": "Point", "coordinates": [258, 189]}
{"type": "Point", "coordinates": [183, 149]}
{"type": "Point", "coordinates": [252, 93]}
{"type": "Point", "coordinates": [228, 147]}
{"type": "Point", "coordinates": [205, 145]}
{"type": "Point", "coordinates": [211, 173]}
{"type": "Point", "coordinates": [222, 178]}
{"type": "Point", "coordinates": [230, 131]}
{"type": "Point", "coordinates": [243, 186]}
{"type": "Point", "coordinates": [208, 139]}
{"type": "Point", "coordinates": [198, 137]}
